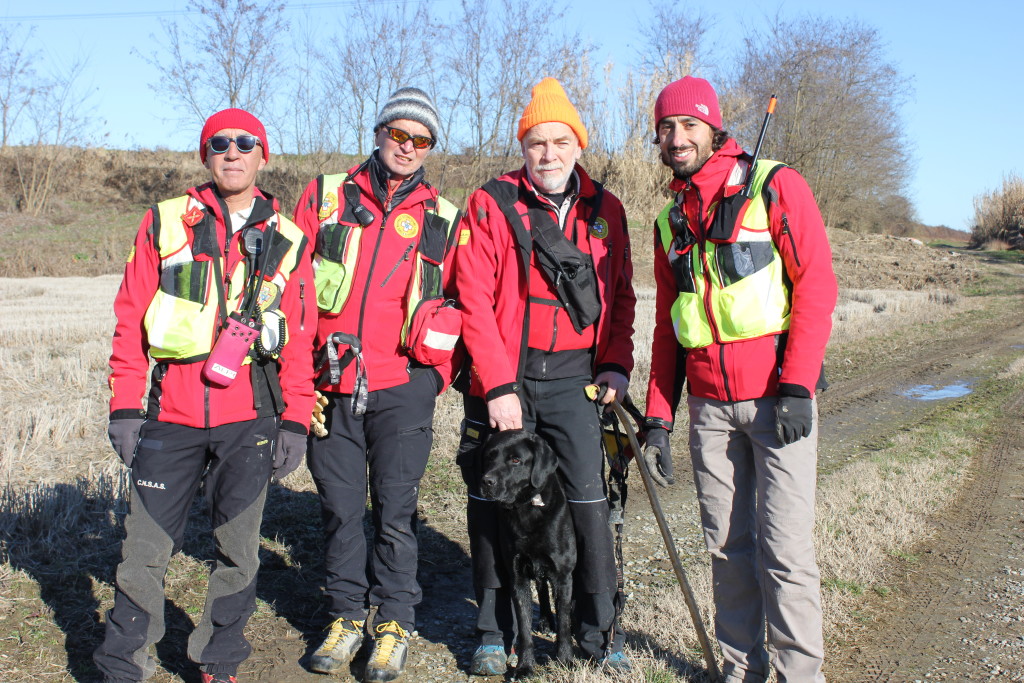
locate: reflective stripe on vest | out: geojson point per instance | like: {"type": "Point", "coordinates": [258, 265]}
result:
{"type": "Point", "coordinates": [181, 318]}
{"type": "Point", "coordinates": [730, 292]}
{"type": "Point", "coordinates": [334, 275]}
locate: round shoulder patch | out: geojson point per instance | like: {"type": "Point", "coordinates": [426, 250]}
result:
{"type": "Point", "coordinates": [328, 206]}
{"type": "Point", "coordinates": [406, 225]}
{"type": "Point", "coordinates": [600, 228]}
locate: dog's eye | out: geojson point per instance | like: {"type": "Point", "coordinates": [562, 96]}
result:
{"type": "Point", "coordinates": [515, 461]}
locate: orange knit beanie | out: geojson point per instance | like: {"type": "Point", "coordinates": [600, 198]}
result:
{"type": "Point", "coordinates": [550, 103]}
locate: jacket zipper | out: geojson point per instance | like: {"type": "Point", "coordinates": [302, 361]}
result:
{"type": "Point", "coordinates": [302, 304]}
{"type": "Point", "coordinates": [707, 293]}
{"type": "Point", "coordinates": [403, 257]}
{"type": "Point", "coordinates": [369, 275]}
{"type": "Point", "coordinates": [789, 234]}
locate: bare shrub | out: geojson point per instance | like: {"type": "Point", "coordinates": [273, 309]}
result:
{"type": "Point", "coordinates": [999, 216]}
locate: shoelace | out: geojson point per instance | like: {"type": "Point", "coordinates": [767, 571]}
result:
{"type": "Point", "coordinates": [339, 629]}
{"type": "Point", "coordinates": [388, 640]}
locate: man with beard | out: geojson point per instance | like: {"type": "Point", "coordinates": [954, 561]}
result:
{"type": "Point", "coordinates": [745, 292]}
{"type": "Point", "coordinates": [382, 236]}
{"type": "Point", "coordinates": [535, 343]}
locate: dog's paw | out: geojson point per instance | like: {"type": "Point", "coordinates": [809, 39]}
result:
{"type": "Point", "coordinates": [524, 669]}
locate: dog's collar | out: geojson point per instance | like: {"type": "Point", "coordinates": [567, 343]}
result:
{"type": "Point", "coordinates": [537, 501]}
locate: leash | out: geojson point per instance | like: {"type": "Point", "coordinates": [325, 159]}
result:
{"type": "Point", "coordinates": [593, 392]}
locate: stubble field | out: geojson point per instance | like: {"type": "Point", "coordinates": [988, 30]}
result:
{"type": "Point", "coordinates": [895, 472]}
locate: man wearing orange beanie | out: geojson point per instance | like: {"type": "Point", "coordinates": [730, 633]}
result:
{"type": "Point", "coordinates": [535, 343]}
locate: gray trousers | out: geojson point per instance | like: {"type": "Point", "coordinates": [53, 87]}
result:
{"type": "Point", "coordinates": [757, 507]}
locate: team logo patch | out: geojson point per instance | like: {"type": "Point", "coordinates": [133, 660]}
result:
{"type": "Point", "coordinates": [193, 216]}
{"type": "Point", "coordinates": [406, 225]}
{"type": "Point", "coordinates": [599, 229]}
{"type": "Point", "coordinates": [464, 237]}
{"type": "Point", "coordinates": [702, 108]}
{"type": "Point", "coordinates": [268, 295]}
{"type": "Point", "coordinates": [328, 206]}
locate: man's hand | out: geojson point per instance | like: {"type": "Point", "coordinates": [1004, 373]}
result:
{"type": "Point", "coordinates": [658, 455]}
{"type": "Point", "coordinates": [291, 448]}
{"type": "Point", "coordinates": [124, 437]}
{"type": "Point", "coordinates": [505, 412]}
{"type": "Point", "coordinates": [617, 384]}
{"type": "Point", "coordinates": [793, 418]}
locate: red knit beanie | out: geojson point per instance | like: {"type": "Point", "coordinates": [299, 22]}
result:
{"type": "Point", "coordinates": [233, 118]}
{"type": "Point", "coordinates": [689, 96]}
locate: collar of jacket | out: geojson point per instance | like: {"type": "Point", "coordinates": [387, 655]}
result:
{"type": "Point", "coordinates": [715, 171]}
{"type": "Point", "coordinates": [263, 208]}
{"type": "Point", "coordinates": [378, 177]}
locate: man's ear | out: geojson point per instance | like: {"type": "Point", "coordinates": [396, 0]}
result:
{"type": "Point", "coordinates": [263, 162]}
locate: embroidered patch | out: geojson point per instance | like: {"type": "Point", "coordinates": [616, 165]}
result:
{"type": "Point", "coordinates": [406, 225]}
{"type": "Point", "coordinates": [599, 229]}
{"type": "Point", "coordinates": [268, 296]}
{"type": "Point", "coordinates": [328, 206]}
{"type": "Point", "coordinates": [702, 108]}
{"type": "Point", "coordinates": [193, 216]}
{"type": "Point", "coordinates": [464, 237]}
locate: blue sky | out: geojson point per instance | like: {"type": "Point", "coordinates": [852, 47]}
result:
{"type": "Point", "coordinates": [964, 119]}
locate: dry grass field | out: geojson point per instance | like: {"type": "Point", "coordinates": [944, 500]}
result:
{"type": "Point", "coordinates": [62, 504]}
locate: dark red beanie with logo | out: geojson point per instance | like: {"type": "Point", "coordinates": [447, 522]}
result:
{"type": "Point", "coordinates": [233, 118]}
{"type": "Point", "coordinates": [689, 96]}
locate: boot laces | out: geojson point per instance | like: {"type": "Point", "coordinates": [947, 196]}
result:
{"type": "Point", "coordinates": [390, 635]}
{"type": "Point", "coordinates": [338, 629]}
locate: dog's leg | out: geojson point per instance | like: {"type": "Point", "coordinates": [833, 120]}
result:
{"type": "Point", "coordinates": [562, 586]}
{"type": "Point", "coordinates": [522, 600]}
{"type": "Point", "coordinates": [547, 617]}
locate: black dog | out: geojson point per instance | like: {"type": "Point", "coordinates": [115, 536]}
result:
{"type": "Point", "coordinates": [519, 473]}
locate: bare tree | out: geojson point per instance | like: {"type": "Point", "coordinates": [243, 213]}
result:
{"type": "Point", "coordinates": [838, 118]}
{"type": "Point", "coordinates": [18, 85]}
{"type": "Point", "coordinates": [230, 56]}
{"type": "Point", "coordinates": [380, 48]}
{"type": "Point", "coordinates": [58, 122]}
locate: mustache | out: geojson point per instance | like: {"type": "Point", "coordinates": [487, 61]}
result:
{"type": "Point", "coordinates": [553, 166]}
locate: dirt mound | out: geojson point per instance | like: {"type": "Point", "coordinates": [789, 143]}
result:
{"type": "Point", "coordinates": [866, 261]}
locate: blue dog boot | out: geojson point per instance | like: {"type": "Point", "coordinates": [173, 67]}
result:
{"type": "Point", "coordinates": [489, 660]}
{"type": "Point", "coordinates": [616, 661]}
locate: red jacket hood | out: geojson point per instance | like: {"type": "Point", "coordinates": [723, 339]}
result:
{"type": "Point", "coordinates": [712, 175]}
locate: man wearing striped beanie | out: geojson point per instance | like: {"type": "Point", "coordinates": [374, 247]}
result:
{"type": "Point", "coordinates": [383, 242]}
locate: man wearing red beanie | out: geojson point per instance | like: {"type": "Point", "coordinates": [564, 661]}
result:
{"type": "Point", "coordinates": [216, 291]}
{"type": "Point", "coordinates": [535, 346]}
{"type": "Point", "coordinates": [745, 292]}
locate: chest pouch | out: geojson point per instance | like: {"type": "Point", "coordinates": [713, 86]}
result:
{"type": "Point", "coordinates": [434, 331]}
{"type": "Point", "coordinates": [568, 268]}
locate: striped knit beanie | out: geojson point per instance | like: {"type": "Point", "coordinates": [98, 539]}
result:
{"type": "Point", "coordinates": [411, 104]}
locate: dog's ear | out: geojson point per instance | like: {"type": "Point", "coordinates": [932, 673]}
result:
{"type": "Point", "coordinates": [545, 462]}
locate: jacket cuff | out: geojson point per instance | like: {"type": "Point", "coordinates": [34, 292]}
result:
{"type": "Point", "coordinates": [653, 422]}
{"type": "Point", "coordinates": [501, 390]}
{"type": "Point", "coordinates": [611, 367]}
{"type": "Point", "coordinates": [128, 414]}
{"type": "Point", "coordinates": [794, 390]}
{"type": "Point", "coordinates": [294, 427]}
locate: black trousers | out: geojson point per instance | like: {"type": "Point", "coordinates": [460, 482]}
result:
{"type": "Point", "coordinates": [559, 411]}
{"type": "Point", "coordinates": [387, 448]}
{"type": "Point", "coordinates": [233, 462]}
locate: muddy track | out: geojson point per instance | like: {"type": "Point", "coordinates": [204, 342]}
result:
{"type": "Point", "coordinates": [955, 619]}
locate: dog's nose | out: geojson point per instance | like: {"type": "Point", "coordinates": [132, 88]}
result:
{"type": "Point", "coordinates": [488, 480]}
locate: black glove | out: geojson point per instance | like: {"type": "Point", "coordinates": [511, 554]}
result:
{"type": "Point", "coordinates": [793, 418]}
{"type": "Point", "coordinates": [658, 455]}
{"type": "Point", "coordinates": [291, 448]}
{"type": "Point", "coordinates": [124, 437]}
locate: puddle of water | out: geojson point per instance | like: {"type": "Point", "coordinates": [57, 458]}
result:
{"type": "Point", "coordinates": [928, 392]}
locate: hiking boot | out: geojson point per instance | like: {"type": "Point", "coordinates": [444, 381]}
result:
{"type": "Point", "coordinates": [616, 661]}
{"type": "Point", "coordinates": [217, 678]}
{"type": "Point", "coordinates": [489, 660]}
{"type": "Point", "coordinates": [344, 637]}
{"type": "Point", "coordinates": [390, 648]}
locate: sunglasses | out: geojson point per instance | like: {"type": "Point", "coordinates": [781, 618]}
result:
{"type": "Point", "coordinates": [400, 136]}
{"type": "Point", "coordinates": [219, 144]}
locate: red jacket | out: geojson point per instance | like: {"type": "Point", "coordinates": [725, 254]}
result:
{"type": "Point", "coordinates": [375, 310]}
{"type": "Point", "coordinates": [748, 369]}
{"type": "Point", "coordinates": [492, 284]}
{"type": "Point", "coordinates": [183, 396]}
